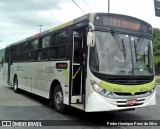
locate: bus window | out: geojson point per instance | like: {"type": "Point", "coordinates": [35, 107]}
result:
{"type": "Point", "coordinates": [54, 52]}
{"type": "Point", "coordinates": [63, 51]}
{"type": "Point", "coordinates": [63, 37]}
{"type": "Point", "coordinates": [24, 53]}
{"type": "Point", "coordinates": [6, 55]}
{"type": "Point", "coordinates": [59, 45]}
{"type": "Point", "coordinates": [33, 50]}
{"type": "Point", "coordinates": [34, 45]}
{"type": "Point", "coordinates": [46, 42]}
{"type": "Point", "coordinates": [44, 51]}
{"type": "Point", "coordinates": [55, 39]}
{"type": "Point", "coordinates": [17, 53]}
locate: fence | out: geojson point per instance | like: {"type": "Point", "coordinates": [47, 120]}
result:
{"type": "Point", "coordinates": [157, 70]}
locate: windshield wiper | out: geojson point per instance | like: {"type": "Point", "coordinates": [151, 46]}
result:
{"type": "Point", "coordinates": [139, 43]}
{"type": "Point", "coordinates": [119, 42]}
{"type": "Point", "coordinates": [137, 46]}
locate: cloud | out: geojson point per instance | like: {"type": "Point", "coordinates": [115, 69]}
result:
{"type": "Point", "coordinates": [19, 18]}
{"type": "Point", "coordinates": [28, 5]}
{"type": "Point", "coordinates": [27, 12]}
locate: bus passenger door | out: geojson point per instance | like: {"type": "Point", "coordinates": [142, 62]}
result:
{"type": "Point", "coordinates": [77, 86]}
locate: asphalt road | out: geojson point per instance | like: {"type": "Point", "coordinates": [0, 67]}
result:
{"type": "Point", "coordinates": [26, 106]}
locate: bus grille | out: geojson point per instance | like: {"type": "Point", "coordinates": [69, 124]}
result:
{"type": "Point", "coordinates": [125, 80]}
{"type": "Point", "coordinates": [129, 94]}
{"type": "Point", "coordinates": [130, 81]}
{"type": "Point", "coordinates": [130, 105]}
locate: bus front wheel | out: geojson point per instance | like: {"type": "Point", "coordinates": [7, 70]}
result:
{"type": "Point", "coordinates": [58, 99]}
{"type": "Point", "coordinates": [15, 85]}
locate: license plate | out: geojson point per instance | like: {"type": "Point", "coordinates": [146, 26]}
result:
{"type": "Point", "coordinates": [131, 101]}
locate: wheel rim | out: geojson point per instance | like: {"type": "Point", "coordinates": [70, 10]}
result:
{"type": "Point", "coordinates": [15, 86]}
{"type": "Point", "coordinates": [58, 100]}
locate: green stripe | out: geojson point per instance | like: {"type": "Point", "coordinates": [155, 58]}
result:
{"type": "Point", "coordinates": [127, 88]}
{"type": "Point", "coordinates": [61, 26]}
{"type": "Point", "coordinates": [66, 74]}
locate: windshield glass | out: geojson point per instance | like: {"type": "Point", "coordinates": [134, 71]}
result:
{"type": "Point", "coordinates": [120, 54]}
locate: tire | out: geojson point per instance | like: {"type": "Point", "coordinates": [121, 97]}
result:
{"type": "Point", "coordinates": [58, 99]}
{"type": "Point", "coordinates": [15, 85]}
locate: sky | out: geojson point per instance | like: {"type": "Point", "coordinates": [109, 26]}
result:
{"type": "Point", "coordinates": [19, 19]}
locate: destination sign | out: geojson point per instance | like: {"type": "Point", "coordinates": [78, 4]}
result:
{"type": "Point", "coordinates": [123, 22]}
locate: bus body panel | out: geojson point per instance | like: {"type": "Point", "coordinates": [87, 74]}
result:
{"type": "Point", "coordinates": [62, 75]}
{"type": "Point", "coordinates": [37, 77]}
{"type": "Point", "coordinates": [5, 72]}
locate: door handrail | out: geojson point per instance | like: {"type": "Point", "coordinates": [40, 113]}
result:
{"type": "Point", "coordinates": [76, 73]}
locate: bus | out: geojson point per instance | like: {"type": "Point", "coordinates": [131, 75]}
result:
{"type": "Point", "coordinates": [97, 62]}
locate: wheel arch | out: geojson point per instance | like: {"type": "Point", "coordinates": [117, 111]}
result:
{"type": "Point", "coordinates": [52, 87]}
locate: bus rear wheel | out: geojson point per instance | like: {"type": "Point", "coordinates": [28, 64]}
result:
{"type": "Point", "coordinates": [15, 85]}
{"type": "Point", "coordinates": [58, 99]}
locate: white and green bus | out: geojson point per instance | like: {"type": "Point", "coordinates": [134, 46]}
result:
{"type": "Point", "coordinates": [97, 62]}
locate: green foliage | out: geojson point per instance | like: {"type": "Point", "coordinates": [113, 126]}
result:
{"type": "Point", "coordinates": [157, 60]}
{"type": "Point", "coordinates": [157, 80]}
{"type": "Point", "coordinates": [156, 46]}
{"type": "Point", "coordinates": [2, 60]}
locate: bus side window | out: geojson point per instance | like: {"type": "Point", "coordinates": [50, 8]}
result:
{"type": "Point", "coordinates": [63, 51]}
{"type": "Point", "coordinates": [33, 50]}
{"type": "Point", "coordinates": [54, 52]}
{"type": "Point", "coordinates": [17, 52]}
{"type": "Point", "coordinates": [24, 53]}
{"type": "Point", "coordinates": [6, 55]}
{"type": "Point", "coordinates": [54, 47]}
{"type": "Point", "coordinates": [44, 50]}
{"type": "Point", "coordinates": [59, 45]}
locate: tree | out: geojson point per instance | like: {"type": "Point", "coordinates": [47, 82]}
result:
{"type": "Point", "coordinates": [156, 46]}
{"type": "Point", "coordinates": [2, 60]}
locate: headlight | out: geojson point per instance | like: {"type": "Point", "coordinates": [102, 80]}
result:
{"type": "Point", "coordinates": [100, 90]}
{"type": "Point", "coordinates": [151, 91]}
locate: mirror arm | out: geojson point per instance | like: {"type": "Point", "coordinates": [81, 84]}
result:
{"type": "Point", "coordinates": [91, 27]}
{"type": "Point", "coordinates": [90, 36]}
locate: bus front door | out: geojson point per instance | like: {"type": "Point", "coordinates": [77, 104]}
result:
{"type": "Point", "coordinates": [76, 82]}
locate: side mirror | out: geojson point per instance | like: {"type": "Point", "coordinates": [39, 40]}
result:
{"type": "Point", "coordinates": [90, 39]}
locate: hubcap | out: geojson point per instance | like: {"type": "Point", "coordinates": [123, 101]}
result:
{"type": "Point", "coordinates": [15, 86]}
{"type": "Point", "coordinates": [58, 100]}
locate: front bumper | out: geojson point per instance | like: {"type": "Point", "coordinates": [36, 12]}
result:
{"type": "Point", "coordinates": [96, 102]}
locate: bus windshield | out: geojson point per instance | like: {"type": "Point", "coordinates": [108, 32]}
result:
{"type": "Point", "coordinates": [121, 54]}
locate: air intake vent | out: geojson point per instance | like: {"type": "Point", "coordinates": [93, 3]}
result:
{"type": "Point", "coordinates": [129, 94]}
{"type": "Point", "coordinates": [130, 105]}
{"type": "Point", "coordinates": [125, 80]}
{"type": "Point", "coordinates": [130, 81]}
